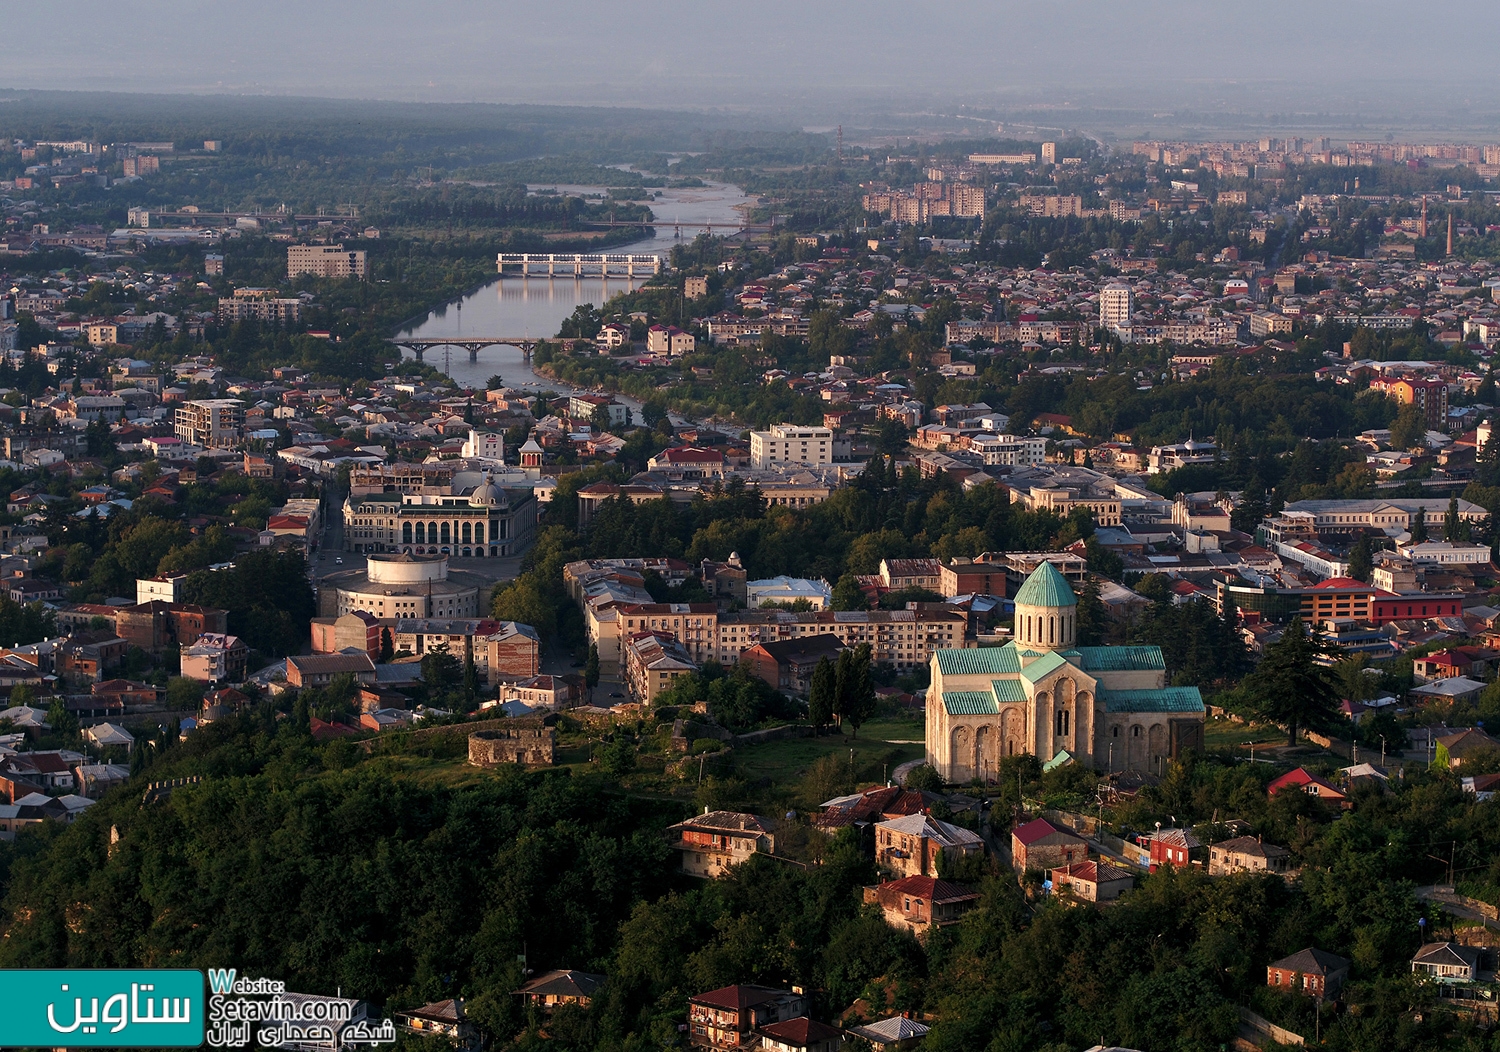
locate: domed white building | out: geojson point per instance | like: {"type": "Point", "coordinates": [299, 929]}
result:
{"type": "Point", "coordinates": [1042, 695]}
{"type": "Point", "coordinates": [401, 586]}
{"type": "Point", "coordinates": [487, 521]}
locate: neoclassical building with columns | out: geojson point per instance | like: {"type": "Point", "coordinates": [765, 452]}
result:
{"type": "Point", "coordinates": [1040, 694]}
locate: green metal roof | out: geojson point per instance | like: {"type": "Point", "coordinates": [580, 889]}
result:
{"type": "Point", "coordinates": [1160, 699]}
{"type": "Point", "coordinates": [969, 703]}
{"type": "Point", "coordinates": [979, 661]}
{"type": "Point", "coordinates": [1046, 587]}
{"type": "Point", "coordinates": [1007, 690]}
{"type": "Point", "coordinates": [1043, 666]}
{"type": "Point", "coordinates": [1121, 659]}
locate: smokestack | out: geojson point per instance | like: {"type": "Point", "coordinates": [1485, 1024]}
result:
{"type": "Point", "coordinates": [1422, 225]}
{"type": "Point", "coordinates": [1450, 233]}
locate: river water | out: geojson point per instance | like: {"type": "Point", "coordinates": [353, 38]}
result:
{"type": "Point", "coordinates": [536, 306]}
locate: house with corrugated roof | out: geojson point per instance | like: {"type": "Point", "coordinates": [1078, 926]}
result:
{"type": "Point", "coordinates": [1041, 694]}
{"type": "Point", "coordinates": [910, 845]}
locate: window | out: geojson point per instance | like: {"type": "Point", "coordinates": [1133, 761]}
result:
{"type": "Point", "coordinates": [1135, 732]}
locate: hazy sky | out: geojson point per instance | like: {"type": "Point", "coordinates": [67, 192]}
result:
{"type": "Point", "coordinates": [818, 58]}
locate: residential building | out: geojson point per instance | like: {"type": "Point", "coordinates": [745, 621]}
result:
{"type": "Point", "coordinates": [562, 986]}
{"type": "Point", "coordinates": [500, 650]}
{"type": "Point", "coordinates": [263, 305]}
{"type": "Point", "coordinates": [156, 625]}
{"type": "Point", "coordinates": [668, 341]}
{"type": "Point", "coordinates": [800, 1035]}
{"type": "Point", "coordinates": [727, 1018]}
{"type": "Point", "coordinates": [1469, 744]}
{"type": "Point", "coordinates": [901, 639]}
{"type": "Point", "coordinates": [553, 693]}
{"type": "Point", "coordinates": [788, 444]}
{"type": "Point", "coordinates": [324, 261]}
{"type": "Point", "coordinates": [212, 423]}
{"type": "Point", "coordinates": [714, 841]}
{"type": "Point", "coordinates": [891, 1035]}
{"type": "Point", "coordinates": [1303, 780]}
{"type": "Point", "coordinates": [1247, 854]}
{"type": "Point", "coordinates": [215, 657]}
{"type": "Point", "coordinates": [444, 1019]}
{"type": "Point", "coordinates": [919, 904]}
{"type": "Point", "coordinates": [356, 630]}
{"type": "Point", "coordinates": [1092, 881]}
{"type": "Point", "coordinates": [1043, 695]}
{"type": "Point", "coordinates": [319, 670]}
{"type": "Point", "coordinates": [486, 445]}
{"type": "Point", "coordinates": [1009, 450]}
{"type": "Point", "coordinates": [783, 589]}
{"type": "Point", "coordinates": [788, 665]}
{"type": "Point", "coordinates": [1173, 847]}
{"type": "Point", "coordinates": [910, 845]}
{"type": "Point", "coordinates": [1040, 845]}
{"type": "Point", "coordinates": [167, 588]}
{"type": "Point", "coordinates": [899, 574]}
{"type": "Point", "coordinates": [1264, 323]}
{"type": "Point", "coordinates": [1321, 973]}
{"type": "Point", "coordinates": [1116, 306]}
{"type": "Point", "coordinates": [1448, 961]}
{"type": "Point", "coordinates": [652, 660]}
{"type": "Point", "coordinates": [1428, 394]}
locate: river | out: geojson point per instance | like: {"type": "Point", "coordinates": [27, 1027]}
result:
{"type": "Point", "coordinates": [536, 306]}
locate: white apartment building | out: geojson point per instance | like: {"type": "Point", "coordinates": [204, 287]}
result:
{"type": "Point", "coordinates": [1116, 305]}
{"type": "Point", "coordinates": [1012, 451]}
{"type": "Point", "coordinates": [789, 444]}
{"type": "Point", "coordinates": [487, 444]}
{"type": "Point", "coordinates": [324, 261]}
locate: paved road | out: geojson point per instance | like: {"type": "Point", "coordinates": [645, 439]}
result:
{"type": "Point", "coordinates": [1447, 900]}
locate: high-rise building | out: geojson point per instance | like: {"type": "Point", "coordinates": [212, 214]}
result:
{"type": "Point", "coordinates": [1049, 153]}
{"type": "Point", "coordinates": [1116, 305]}
{"type": "Point", "coordinates": [324, 261]}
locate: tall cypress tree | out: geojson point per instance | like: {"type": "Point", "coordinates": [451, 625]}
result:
{"type": "Point", "coordinates": [822, 695]}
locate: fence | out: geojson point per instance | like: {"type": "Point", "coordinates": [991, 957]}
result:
{"type": "Point", "coordinates": [1267, 1029]}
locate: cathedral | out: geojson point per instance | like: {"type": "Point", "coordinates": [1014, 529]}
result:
{"type": "Point", "coordinates": [1107, 707]}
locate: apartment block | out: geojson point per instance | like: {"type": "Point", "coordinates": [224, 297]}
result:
{"type": "Point", "coordinates": [324, 261]}
{"type": "Point", "coordinates": [1116, 305]}
{"type": "Point", "coordinates": [791, 444]}
{"type": "Point", "coordinates": [259, 305]}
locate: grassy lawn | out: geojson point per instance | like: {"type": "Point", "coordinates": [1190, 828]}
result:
{"type": "Point", "coordinates": [1222, 734]}
{"type": "Point", "coordinates": [787, 761]}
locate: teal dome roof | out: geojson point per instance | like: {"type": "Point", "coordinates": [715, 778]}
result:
{"type": "Point", "coordinates": [1046, 587]}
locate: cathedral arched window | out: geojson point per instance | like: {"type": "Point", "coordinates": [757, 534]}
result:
{"type": "Point", "coordinates": [1052, 630]}
{"type": "Point", "coordinates": [406, 533]}
{"type": "Point", "coordinates": [1135, 732]}
{"type": "Point", "coordinates": [1116, 732]}
{"type": "Point", "coordinates": [1062, 723]}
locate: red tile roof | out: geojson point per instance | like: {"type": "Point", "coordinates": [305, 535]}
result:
{"type": "Point", "coordinates": [800, 1031]}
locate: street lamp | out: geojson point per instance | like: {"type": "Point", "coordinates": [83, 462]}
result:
{"type": "Point", "coordinates": [1382, 750]}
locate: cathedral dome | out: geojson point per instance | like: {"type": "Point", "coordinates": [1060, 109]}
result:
{"type": "Point", "coordinates": [1046, 587]}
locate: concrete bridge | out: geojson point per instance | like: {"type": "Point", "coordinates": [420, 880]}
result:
{"type": "Point", "coordinates": [473, 344]}
{"type": "Point", "coordinates": [579, 264]}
